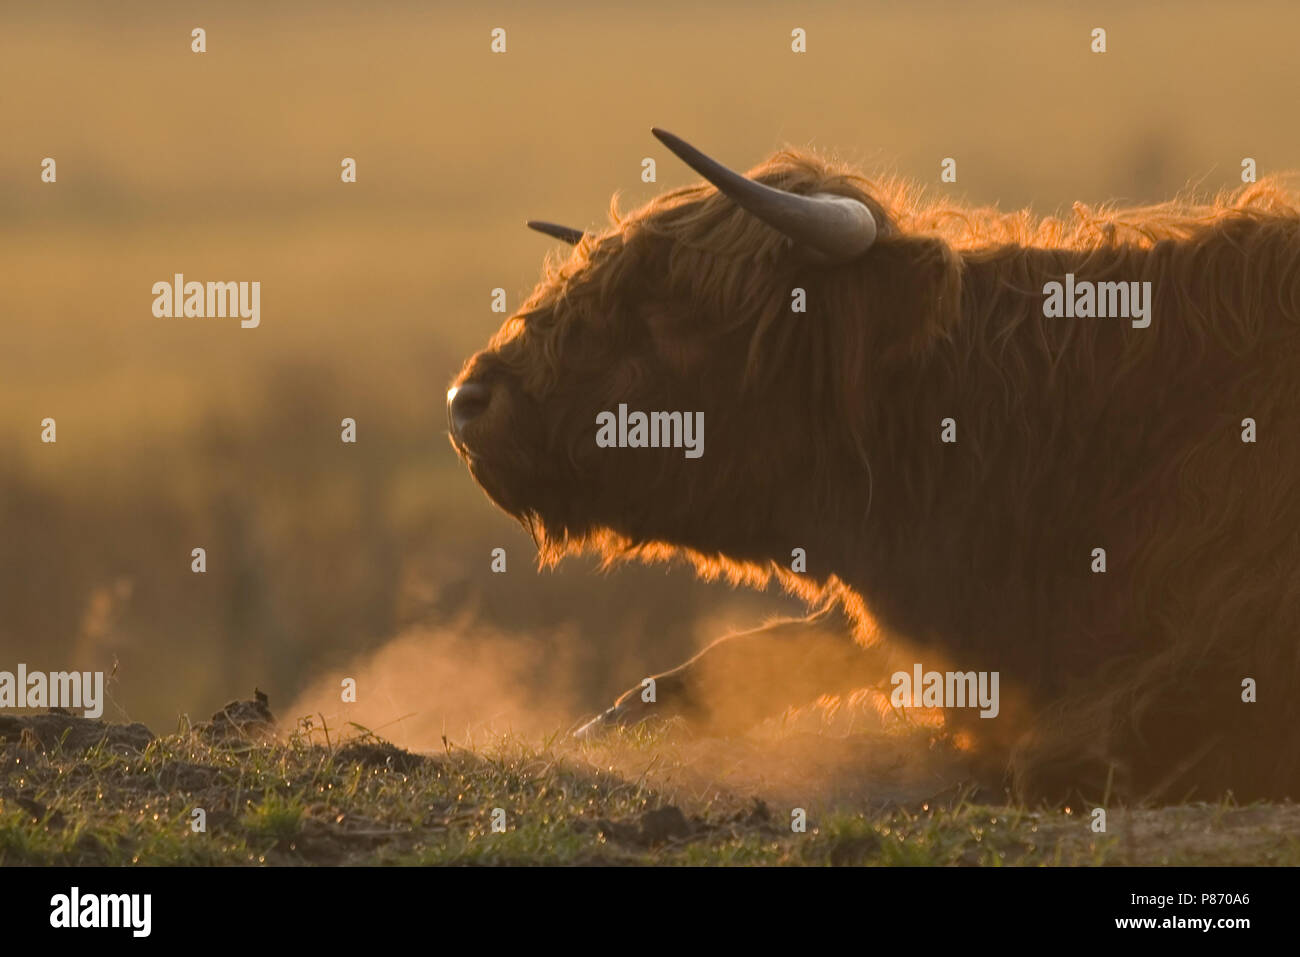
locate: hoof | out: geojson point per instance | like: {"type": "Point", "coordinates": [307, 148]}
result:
{"type": "Point", "coordinates": [600, 724]}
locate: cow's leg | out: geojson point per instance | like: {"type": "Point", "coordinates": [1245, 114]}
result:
{"type": "Point", "coordinates": [739, 680]}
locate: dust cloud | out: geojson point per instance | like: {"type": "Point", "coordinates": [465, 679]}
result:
{"type": "Point", "coordinates": [469, 686]}
{"type": "Point", "coordinates": [468, 683]}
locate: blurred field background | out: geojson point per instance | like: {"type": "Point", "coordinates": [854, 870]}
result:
{"type": "Point", "coordinates": [327, 559]}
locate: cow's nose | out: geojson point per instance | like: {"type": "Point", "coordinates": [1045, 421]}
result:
{"type": "Point", "coordinates": [465, 402]}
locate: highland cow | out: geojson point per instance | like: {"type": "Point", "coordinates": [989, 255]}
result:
{"type": "Point", "coordinates": [1106, 514]}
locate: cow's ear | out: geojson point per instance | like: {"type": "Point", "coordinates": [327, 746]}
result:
{"type": "Point", "coordinates": [912, 293]}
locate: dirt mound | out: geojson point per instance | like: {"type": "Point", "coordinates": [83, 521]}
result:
{"type": "Point", "coordinates": [380, 754]}
{"type": "Point", "coordinates": [240, 721]}
{"type": "Point", "coordinates": [60, 728]}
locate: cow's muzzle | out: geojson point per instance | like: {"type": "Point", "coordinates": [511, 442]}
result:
{"type": "Point", "coordinates": [465, 402]}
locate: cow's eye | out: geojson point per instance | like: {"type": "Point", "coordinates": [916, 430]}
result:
{"type": "Point", "coordinates": [675, 340]}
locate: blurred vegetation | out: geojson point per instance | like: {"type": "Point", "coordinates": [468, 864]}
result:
{"type": "Point", "coordinates": [177, 434]}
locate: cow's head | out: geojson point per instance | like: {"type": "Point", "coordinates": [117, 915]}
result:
{"type": "Point", "coordinates": [689, 305]}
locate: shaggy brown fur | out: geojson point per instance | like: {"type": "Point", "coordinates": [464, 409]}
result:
{"type": "Point", "coordinates": [822, 432]}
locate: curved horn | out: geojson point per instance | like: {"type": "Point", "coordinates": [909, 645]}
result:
{"type": "Point", "coordinates": [837, 227]}
{"type": "Point", "coordinates": [570, 236]}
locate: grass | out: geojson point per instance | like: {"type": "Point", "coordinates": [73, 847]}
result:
{"type": "Point", "coordinates": [293, 800]}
